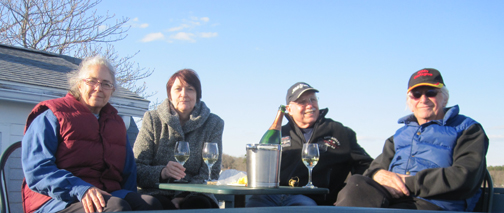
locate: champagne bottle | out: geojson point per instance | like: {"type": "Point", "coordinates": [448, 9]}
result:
{"type": "Point", "coordinates": [272, 136]}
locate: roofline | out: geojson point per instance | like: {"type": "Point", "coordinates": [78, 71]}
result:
{"type": "Point", "coordinates": [124, 106]}
{"type": "Point", "coordinates": [70, 59]}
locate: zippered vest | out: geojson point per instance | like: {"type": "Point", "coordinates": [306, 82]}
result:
{"type": "Point", "coordinates": [430, 145]}
{"type": "Point", "coordinates": [91, 149]}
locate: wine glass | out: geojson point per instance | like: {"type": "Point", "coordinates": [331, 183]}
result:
{"type": "Point", "coordinates": [210, 156]}
{"type": "Point", "coordinates": [181, 153]}
{"type": "Point", "coordinates": [310, 156]}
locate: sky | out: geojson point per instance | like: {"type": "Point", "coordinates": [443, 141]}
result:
{"type": "Point", "coordinates": [358, 54]}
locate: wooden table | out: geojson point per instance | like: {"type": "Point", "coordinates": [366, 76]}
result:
{"type": "Point", "coordinates": [239, 192]}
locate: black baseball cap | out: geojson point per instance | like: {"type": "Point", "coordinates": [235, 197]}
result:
{"type": "Point", "coordinates": [296, 90]}
{"type": "Point", "coordinates": [426, 77]}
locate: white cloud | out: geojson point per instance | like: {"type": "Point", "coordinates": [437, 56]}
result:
{"type": "Point", "coordinates": [208, 35]}
{"type": "Point", "coordinates": [134, 23]}
{"type": "Point", "coordinates": [183, 36]}
{"type": "Point", "coordinates": [181, 27]}
{"type": "Point", "coordinates": [152, 37]}
{"type": "Point", "coordinates": [495, 137]}
{"type": "Point", "coordinates": [195, 23]}
{"type": "Point", "coordinates": [101, 28]}
{"type": "Point", "coordinates": [190, 30]}
{"type": "Point", "coordinates": [497, 127]}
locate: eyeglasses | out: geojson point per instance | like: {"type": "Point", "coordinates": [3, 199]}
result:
{"type": "Point", "coordinates": [104, 84]}
{"type": "Point", "coordinates": [428, 93]}
{"type": "Point", "coordinates": [311, 100]}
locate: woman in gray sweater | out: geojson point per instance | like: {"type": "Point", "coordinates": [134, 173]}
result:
{"type": "Point", "coordinates": [181, 117]}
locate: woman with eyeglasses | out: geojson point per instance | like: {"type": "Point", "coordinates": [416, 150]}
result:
{"type": "Point", "coordinates": [181, 117]}
{"type": "Point", "coordinates": [75, 153]}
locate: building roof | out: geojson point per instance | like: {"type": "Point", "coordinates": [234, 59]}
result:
{"type": "Point", "coordinates": [32, 76]}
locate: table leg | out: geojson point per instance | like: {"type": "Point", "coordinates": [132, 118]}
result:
{"type": "Point", "coordinates": [239, 201]}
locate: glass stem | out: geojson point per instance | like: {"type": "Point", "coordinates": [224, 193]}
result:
{"type": "Point", "coordinates": [309, 177]}
{"type": "Point", "coordinates": [209, 172]}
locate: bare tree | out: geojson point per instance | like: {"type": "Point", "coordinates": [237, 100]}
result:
{"type": "Point", "coordinates": [128, 72]}
{"type": "Point", "coordinates": [70, 27]}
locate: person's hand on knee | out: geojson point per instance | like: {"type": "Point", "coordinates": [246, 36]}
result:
{"type": "Point", "coordinates": [392, 182]}
{"type": "Point", "coordinates": [176, 201]}
{"type": "Point", "coordinates": [93, 198]}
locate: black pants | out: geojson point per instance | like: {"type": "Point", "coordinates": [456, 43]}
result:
{"type": "Point", "coordinates": [198, 201]}
{"type": "Point", "coordinates": [132, 201]}
{"type": "Point", "coordinates": [362, 191]}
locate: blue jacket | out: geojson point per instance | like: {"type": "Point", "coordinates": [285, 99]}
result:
{"type": "Point", "coordinates": [445, 158]}
{"type": "Point", "coordinates": [430, 145]}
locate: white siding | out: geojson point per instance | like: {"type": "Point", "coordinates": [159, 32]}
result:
{"type": "Point", "coordinates": [12, 120]}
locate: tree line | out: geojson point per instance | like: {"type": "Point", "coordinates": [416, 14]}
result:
{"type": "Point", "coordinates": [230, 162]}
{"type": "Point", "coordinates": [495, 168]}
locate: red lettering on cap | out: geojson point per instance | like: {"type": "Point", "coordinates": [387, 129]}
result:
{"type": "Point", "coordinates": [422, 73]}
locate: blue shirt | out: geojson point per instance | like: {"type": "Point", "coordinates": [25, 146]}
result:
{"type": "Point", "coordinates": [38, 157]}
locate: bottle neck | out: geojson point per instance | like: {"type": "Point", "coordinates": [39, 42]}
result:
{"type": "Point", "coordinates": [277, 124]}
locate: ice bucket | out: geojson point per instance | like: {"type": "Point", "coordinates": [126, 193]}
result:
{"type": "Point", "coordinates": [263, 165]}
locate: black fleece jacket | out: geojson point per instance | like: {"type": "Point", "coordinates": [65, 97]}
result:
{"type": "Point", "coordinates": [340, 154]}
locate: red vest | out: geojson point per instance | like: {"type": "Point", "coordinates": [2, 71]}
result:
{"type": "Point", "coordinates": [91, 149]}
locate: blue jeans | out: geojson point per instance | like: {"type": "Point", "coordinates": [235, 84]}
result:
{"type": "Point", "coordinates": [279, 200]}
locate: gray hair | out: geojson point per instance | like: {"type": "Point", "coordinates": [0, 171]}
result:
{"type": "Point", "coordinates": [75, 77]}
{"type": "Point", "coordinates": [444, 93]}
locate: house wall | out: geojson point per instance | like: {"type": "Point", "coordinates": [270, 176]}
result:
{"type": "Point", "coordinates": [12, 120]}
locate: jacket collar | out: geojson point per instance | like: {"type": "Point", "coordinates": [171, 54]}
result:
{"type": "Point", "coordinates": [450, 112]}
{"type": "Point", "coordinates": [322, 114]}
{"type": "Point", "coordinates": [197, 118]}
{"type": "Point", "coordinates": [105, 110]}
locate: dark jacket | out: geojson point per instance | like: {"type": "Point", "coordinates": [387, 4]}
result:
{"type": "Point", "coordinates": [457, 178]}
{"type": "Point", "coordinates": [340, 154]}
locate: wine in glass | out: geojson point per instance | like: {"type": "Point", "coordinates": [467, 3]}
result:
{"type": "Point", "coordinates": [210, 156]}
{"type": "Point", "coordinates": [181, 153]}
{"type": "Point", "coordinates": [310, 156]}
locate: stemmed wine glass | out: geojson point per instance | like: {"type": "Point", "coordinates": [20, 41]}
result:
{"type": "Point", "coordinates": [210, 156]}
{"type": "Point", "coordinates": [181, 153]}
{"type": "Point", "coordinates": [310, 156]}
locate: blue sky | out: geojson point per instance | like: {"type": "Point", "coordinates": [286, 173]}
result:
{"type": "Point", "coordinates": [359, 54]}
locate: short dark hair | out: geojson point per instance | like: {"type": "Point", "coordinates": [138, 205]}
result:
{"type": "Point", "coordinates": [187, 75]}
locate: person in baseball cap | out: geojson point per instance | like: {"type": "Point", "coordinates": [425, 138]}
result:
{"type": "Point", "coordinates": [427, 95]}
{"type": "Point", "coordinates": [435, 161]}
{"type": "Point", "coordinates": [337, 144]}
{"type": "Point", "coordinates": [426, 77]}
{"type": "Point", "coordinates": [302, 104]}
{"type": "Point", "coordinates": [296, 90]}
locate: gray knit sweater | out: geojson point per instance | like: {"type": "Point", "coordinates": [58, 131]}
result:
{"type": "Point", "coordinates": [156, 140]}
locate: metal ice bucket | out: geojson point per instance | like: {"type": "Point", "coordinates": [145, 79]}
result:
{"type": "Point", "coordinates": [263, 165]}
